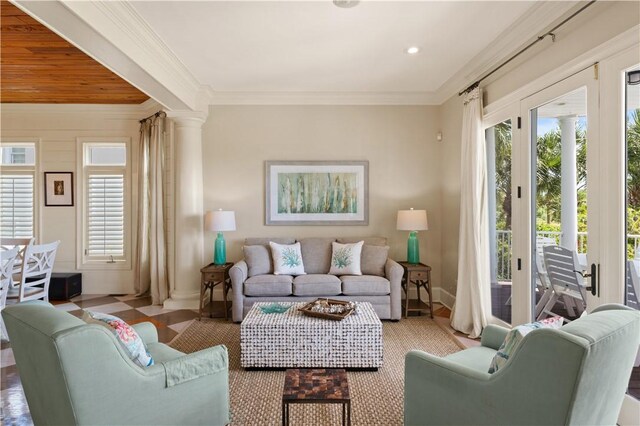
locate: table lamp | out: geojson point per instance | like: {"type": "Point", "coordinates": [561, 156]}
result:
{"type": "Point", "coordinates": [413, 221]}
{"type": "Point", "coordinates": [218, 221]}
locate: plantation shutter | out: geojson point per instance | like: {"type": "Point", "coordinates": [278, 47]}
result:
{"type": "Point", "coordinates": [105, 214]}
{"type": "Point", "coordinates": [16, 205]}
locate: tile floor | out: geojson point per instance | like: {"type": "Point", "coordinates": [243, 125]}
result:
{"type": "Point", "coordinates": [13, 406]}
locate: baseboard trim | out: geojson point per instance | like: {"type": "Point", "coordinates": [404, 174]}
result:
{"type": "Point", "coordinates": [443, 297]}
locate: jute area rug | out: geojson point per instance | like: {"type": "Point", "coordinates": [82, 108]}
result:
{"type": "Point", "coordinates": [376, 397]}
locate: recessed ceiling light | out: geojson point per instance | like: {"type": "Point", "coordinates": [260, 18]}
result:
{"type": "Point", "coordinates": [413, 50]}
{"type": "Point", "coordinates": [346, 4]}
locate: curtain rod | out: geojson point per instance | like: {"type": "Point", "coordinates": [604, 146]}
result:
{"type": "Point", "coordinates": [529, 46]}
{"type": "Point", "coordinates": [157, 114]}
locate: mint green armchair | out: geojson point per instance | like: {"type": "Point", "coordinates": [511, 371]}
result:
{"type": "Point", "coordinates": [75, 373]}
{"type": "Point", "coordinates": [575, 375]}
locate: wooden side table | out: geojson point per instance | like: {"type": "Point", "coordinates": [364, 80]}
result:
{"type": "Point", "coordinates": [420, 275]}
{"type": "Point", "coordinates": [316, 386]}
{"type": "Point", "coordinates": [212, 275]}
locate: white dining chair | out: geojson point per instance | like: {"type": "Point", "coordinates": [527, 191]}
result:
{"type": "Point", "coordinates": [21, 243]}
{"type": "Point", "coordinates": [7, 260]}
{"type": "Point", "coordinates": [35, 277]}
{"type": "Point", "coordinates": [633, 284]}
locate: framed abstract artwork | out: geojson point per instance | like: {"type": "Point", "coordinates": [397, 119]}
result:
{"type": "Point", "coordinates": [58, 189]}
{"type": "Point", "coordinates": [317, 193]}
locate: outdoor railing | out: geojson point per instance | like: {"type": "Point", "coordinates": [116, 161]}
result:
{"type": "Point", "coordinates": [503, 243]}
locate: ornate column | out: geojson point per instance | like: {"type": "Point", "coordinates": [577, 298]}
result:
{"type": "Point", "coordinates": [188, 238]}
{"type": "Point", "coordinates": [569, 183]}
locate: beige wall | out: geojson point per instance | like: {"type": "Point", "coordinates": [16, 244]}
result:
{"type": "Point", "coordinates": [399, 143]}
{"type": "Point", "coordinates": [57, 128]}
{"type": "Point", "coordinates": [602, 22]}
{"type": "Point", "coordinates": [596, 25]}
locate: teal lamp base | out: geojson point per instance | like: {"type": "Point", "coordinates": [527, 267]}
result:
{"type": "Point", "coordinates": [219, 250]}
{"type": "Point", "coordinates": [413, 248]}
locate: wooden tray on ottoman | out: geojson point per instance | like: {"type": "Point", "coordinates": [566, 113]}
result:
{"type": "Point", "coordinates": [306, 310]}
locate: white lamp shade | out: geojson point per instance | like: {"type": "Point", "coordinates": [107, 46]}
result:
{"type": "Point", "coordinates": [220, 220]}
{"type": "Point", "coordinates": [412, 220]}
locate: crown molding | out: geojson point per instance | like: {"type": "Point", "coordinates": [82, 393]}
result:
{"type": "Point", "coordinates": [127, 112]}
{"type": "Point", "coordinates": [322, 98]}
{"type": "Point", "coordinates": [112, 33]}
{"type": "Point", "coordinates": [522, 31]}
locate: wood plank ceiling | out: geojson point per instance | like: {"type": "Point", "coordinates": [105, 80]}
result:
{"type": "Point", "coordinates": [38, 66]}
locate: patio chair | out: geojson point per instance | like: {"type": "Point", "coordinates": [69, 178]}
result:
{"type": "Point", "coordinates": [542, 283]}
{"type": "Point", "coordinates": [21, 243]}
{"type": "Point", "coordinates": [633, 284]}
{"type": "Point", "coordinates": [565, 279]}
{"type": "Point", "coordinates": [35, 277]}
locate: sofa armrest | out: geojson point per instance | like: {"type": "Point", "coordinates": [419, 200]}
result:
{"type": "Point", "coordinates": [147, 332]}
{"type": "Point", "coordinates": [238, 273]}
{"type": "Point", "coordinates": [197, 364]}
{"type": "Point", "coordinates": [394, 272]}
{"type": "Point", "coordinates": [493, 336]}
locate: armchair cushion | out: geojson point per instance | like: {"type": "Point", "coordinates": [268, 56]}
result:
{"type": "Point", "coordinates": [477, 358]}
{"type": "Point", "coordinates": [163, 353]}
{"type": "Point", "coordinates": [124, 333]}
{"type": "Point", "coordinates": [515, 337]}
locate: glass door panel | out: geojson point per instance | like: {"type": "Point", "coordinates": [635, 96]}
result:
{"type": "Point", "coordinates": [632, 137]}
{"type": "Point", "coordinates": [559, 206]}
{"type": "Point", "coordinates": [498, 139]}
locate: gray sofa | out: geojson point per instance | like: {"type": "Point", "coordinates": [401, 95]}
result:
{"type": "Point", "coordinates": [253, 280]}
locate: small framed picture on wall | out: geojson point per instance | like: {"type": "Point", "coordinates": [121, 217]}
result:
{"type": "Point", "coordinates": [58, 189]}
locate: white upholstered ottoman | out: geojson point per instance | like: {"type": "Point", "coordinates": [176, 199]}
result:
{"type": "Point", "coordinates": [291, 339]}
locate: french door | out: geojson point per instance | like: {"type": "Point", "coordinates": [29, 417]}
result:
{"type": "Point", "coordinates": [564, 199]}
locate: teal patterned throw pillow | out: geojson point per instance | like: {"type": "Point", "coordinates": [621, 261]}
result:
{"type": "Point", "coordinates": [345, 259]}
{"type": "Point", "coordinates": [287, 259]}
{"type": "Point", "coordinates": [514, 338]}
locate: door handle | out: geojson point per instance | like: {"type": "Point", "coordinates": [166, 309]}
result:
{"type": "Point", "coordinates": [594, 279]}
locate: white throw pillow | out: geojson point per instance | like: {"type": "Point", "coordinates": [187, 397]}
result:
{"type": "Point", "coordinates": [287, 259]}
{"type": "Point", "coordinates": [345, 259]}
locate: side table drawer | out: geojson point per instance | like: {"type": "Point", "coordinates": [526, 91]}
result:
{"type": "Point", "coordinates": [418, 275]}
{"type": "Point", "coordinates": [212, 276]}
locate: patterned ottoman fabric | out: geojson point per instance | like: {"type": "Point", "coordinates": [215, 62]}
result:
{"type": "Point", "coordinates": [291, 339]}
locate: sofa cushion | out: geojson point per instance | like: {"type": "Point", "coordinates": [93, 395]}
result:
{"type": "Point", "coordinates": [372, 241]}
{"type": "Point", "coordinates": [316, 285]}
{"type": "Point", "coordinates": [258, 258]}
{"type": "Point", "coordinates": [265, 241]}
{"type": "Point", "coordinates": [374, 258]}
{"type": "Point", "coordinates": [316, 254]}
{"type": "Point", "coordinates": [345, 259]}
{"type": "Point", "coordinates": [365, 285]}
{"type": "Point", "coordinates": [268, 285]}
{"type": "Point", "coordinates": [287, 259]}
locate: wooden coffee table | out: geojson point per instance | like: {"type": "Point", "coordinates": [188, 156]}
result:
{"type": "Point", "coordinates": [316, 386]}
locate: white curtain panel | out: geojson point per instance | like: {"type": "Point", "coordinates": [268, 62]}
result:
{"type": "Point", "coordinates": [151, 261]}
{"type": "Point", "coordinates": [473, 296]}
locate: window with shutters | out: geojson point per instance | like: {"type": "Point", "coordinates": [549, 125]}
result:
{"type": "Point", "coordinates": [17, 195]}
{"type": "Point", "coordinates": [105, 203]}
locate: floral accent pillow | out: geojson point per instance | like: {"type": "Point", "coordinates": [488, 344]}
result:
{"type": "Point", "coordinates": [345, 259]}
{"type": "Point", "coordinates": [126, 335]}
{"type": "Point", "coordinates": [514, 338]}
{"type": "Point", "coordinates": [287, 259]}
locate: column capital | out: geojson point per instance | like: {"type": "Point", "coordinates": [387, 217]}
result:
{"type": "Point", "coordinates": [188, 118]}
